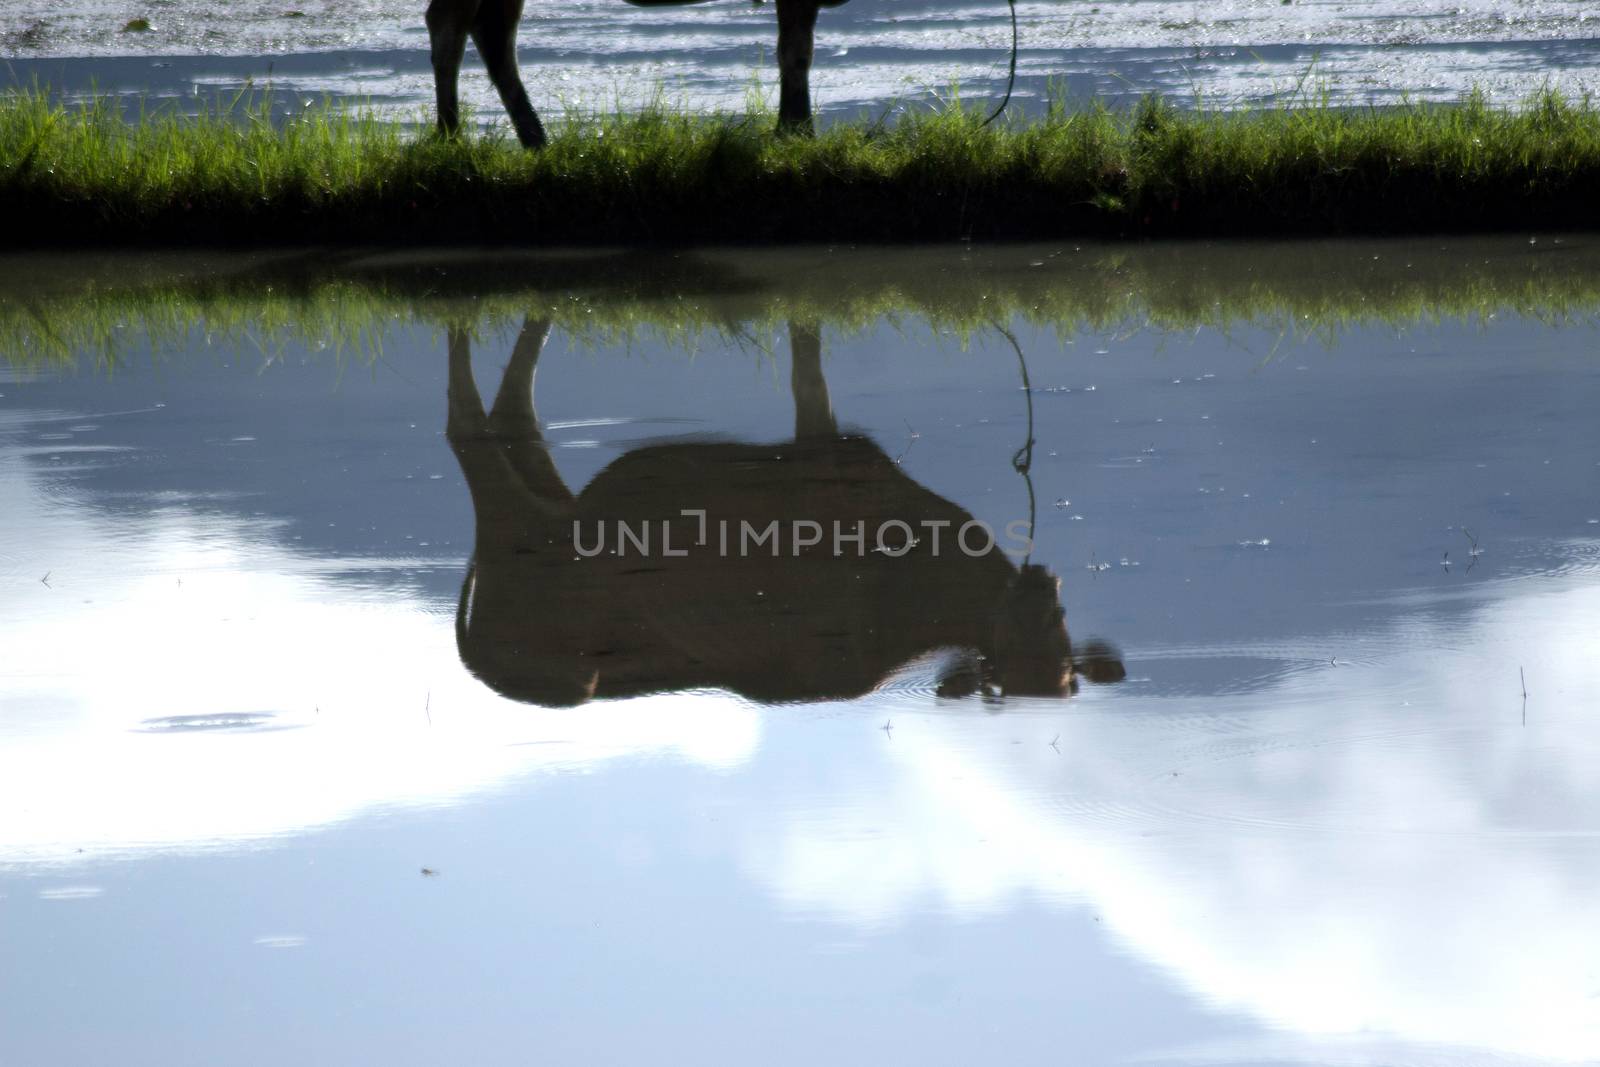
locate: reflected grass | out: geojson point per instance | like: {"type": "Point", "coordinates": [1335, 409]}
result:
{"type": "Point", "coordinates": [94, 174]}
{"type": "Point", "coordinates": [70, 308]}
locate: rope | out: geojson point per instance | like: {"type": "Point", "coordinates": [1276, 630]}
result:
{"type": "Point", "coordinates": [1011, 79]}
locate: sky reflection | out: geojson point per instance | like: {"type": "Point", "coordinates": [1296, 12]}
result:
{"type": "Point", "coordinates": [1311, 825]}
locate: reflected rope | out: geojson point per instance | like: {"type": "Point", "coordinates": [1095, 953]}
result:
{"type": "Point", "coordinates": [1022, 458]}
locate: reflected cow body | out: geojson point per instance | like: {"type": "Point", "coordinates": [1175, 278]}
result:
{"type": "Point", "coordinates": [560, 606]}
{"type": "Point", "coordinates": [492, 25]}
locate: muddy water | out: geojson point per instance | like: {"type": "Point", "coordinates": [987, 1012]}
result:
{"type": "Point", "coordinates": [319, 744]}
{"type": "Point", "coordinates": [872, 54]}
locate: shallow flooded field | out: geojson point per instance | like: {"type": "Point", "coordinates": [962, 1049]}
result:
{"type": "Point", "coordinates": [325, 737]}
{"type": "Point", "coordinates": [871, 54]}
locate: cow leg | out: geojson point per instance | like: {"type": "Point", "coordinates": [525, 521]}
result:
{"type": "Point", "coordinates": [797, 22]}
{"type": "Point", "coordinates": [448, 22]}
{"type": "Point", "coordinates": [813, 411]}
{"type": "Point", "coordinates": [495, 34]}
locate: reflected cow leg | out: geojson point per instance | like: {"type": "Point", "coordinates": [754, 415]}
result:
{"type": "Point", "coordinates": [465, 416]}
{"type": "Point", "coordinates": [508, 471]}
{"type": "Point", "coordinates": [813, 410]}
{"type": "Point", "coordinates": [513, 414]}
{"type": "Point", "coordinates": [514, 424]}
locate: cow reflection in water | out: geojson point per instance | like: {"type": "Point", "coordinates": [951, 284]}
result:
{"type": "Point", "coordinates": [541, 622]}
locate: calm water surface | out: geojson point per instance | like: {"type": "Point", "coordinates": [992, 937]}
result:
{"type": "Point", "coordinates": [318, 745]}
{"type": "Point", "coordinates": [871, 54]}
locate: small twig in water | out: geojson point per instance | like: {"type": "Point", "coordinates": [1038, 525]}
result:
{"type": "Point", "coordinates": [429, 872]}
{"type": "Point", "coordinates": [888, 727]}
{"type": "Point", "coordinates": [1524, 676]}
{"type": "Point", "coordinates": [907, 547]}
{"type": "Point", "coordinates": [427, 706]}
{"type": "Point", "coordinates": [1445, 563]}
{"type": "Point", "coordinates": [1054, 743]}
{"type": "Point", "coordinates": [1473, 551]}
{"type": "Point", "coordinates": [45, 581]}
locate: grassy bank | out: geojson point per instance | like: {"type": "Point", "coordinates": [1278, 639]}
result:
{"type": "Point", "coordinates": [73, 175]}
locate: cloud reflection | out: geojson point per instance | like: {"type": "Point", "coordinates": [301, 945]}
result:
{"type": "Point", "coordinates": [1379, 848]}
{"type": "Point", "coordinates": [337, 700]}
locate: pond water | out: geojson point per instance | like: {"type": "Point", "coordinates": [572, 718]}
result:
{"type": "Point", "coordinates": [322, 741]}
{"type": "Point", "coordinates": [871, 54]}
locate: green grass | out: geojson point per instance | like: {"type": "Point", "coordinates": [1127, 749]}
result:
{"type": "Point", "coordinates": [90, 174]}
